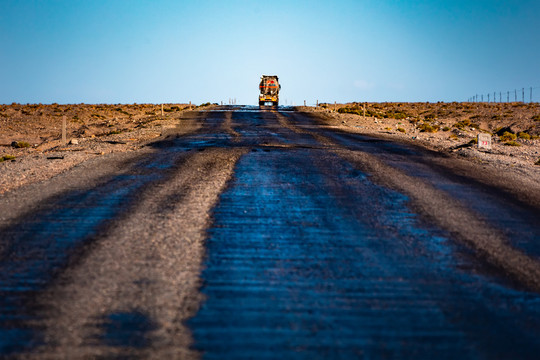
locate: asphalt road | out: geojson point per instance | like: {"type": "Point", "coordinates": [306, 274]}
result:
{"type": "Point", "coordinates": [264, 234]}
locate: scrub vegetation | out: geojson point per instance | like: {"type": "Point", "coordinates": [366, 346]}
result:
{"type": "Point", "coordinates": [6, 158]}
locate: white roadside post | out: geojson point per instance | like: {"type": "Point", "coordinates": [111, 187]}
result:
{"type": "Point", "coordinates": [484, 141]}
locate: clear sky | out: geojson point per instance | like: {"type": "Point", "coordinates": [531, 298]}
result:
{"type": "Point", "coordinates": [154, 51]}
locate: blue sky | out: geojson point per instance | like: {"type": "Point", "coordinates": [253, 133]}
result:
{"type": "Point", "coordinates": [126, 51]}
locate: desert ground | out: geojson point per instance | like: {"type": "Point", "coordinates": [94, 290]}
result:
{"type": "Point", "coordinates": [245, 232]}
{"type": "Point", "coordinates": [31, 147]}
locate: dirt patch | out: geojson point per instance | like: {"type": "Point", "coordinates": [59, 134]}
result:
{"type": "Point", "coordinates": [450, 128]}
{"type": "Point", "coordinates": [31, 147]}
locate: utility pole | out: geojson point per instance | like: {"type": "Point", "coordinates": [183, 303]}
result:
{"type": "Point", "coordinates": [508, 96]}
{"type": "Point", "coordinates": [523, 94]}
{"type": "Point", "coordinates": [515, 95]}
{"type": "Point", "coordinates": [531, 95]}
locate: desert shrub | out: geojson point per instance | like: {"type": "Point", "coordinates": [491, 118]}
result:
{"type": "Point", "coordinates": [446, 128]}
{"type": "Point", "coordinates": [430, 117]}
{"type": "Point", "coordinates": [512, 143]}
{"type": "Point", "coordinates": [348, 110]}
{"type": "Point", "coordinates": [401, 130]}
{"type": "Point", "coordinates": [6, 158]}
{"type": "Point", "coordinates": [536, 117]}
{"type": "Point", "coordinates": [537, 162]}
{"type": "Point", "coordinates": [523, 135]}
{"type": "Point", "coordinates": [122, 111]}
{"type": "Point", "coordinates": [359, 111]}
{"type": "Point", "coordinates": [398, 115]}
{"type": "Point", "coordinates": [453, 136]}
{"type": "Point", "coordinates": [20, 144]}
{"type": "Point", "coordinates": [507, 136]}
{"type": "Point", "coordinates": [205, 104]}
{"type": "Point", "coordinates": [465, 123]}
{"type": "Point", "coordinates": [425, 127]}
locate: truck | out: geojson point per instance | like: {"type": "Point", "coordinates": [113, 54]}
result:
{"type": "Point", "coordinates": [269, 90]}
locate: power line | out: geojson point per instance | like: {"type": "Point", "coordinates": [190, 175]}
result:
{"type": "Point", "coordinates": [532, 91]}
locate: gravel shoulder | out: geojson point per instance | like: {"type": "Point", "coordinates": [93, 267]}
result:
{"type": "Point", "coordinates": [41, 161]}
{"type": "Point", "coordinates": [98, 130]}
{"type": "Point", "coordinates": [510, 162]}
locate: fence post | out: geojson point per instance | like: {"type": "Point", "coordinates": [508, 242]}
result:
{"type": "Point", "coordinates": [64, 137]}
{"type": "Point", "coordinates": [364, 111]}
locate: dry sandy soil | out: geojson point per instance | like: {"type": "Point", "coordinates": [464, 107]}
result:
{"type": "Point", "coordinates": [31, 148]}
{"type": "Point", "coordinates": [450, 128]}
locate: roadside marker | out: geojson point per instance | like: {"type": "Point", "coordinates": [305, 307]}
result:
{"type": "Point", "coordinates": [484, 141]}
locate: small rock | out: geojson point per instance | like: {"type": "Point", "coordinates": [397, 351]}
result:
{"type": "Point", "coordinates": [74, 142]}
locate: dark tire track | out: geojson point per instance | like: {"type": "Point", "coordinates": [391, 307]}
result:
{"type": "Point", "coordinates": [263, 234]}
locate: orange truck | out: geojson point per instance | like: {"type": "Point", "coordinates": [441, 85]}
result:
{"type": "Point", "coordinates": [269, 90]}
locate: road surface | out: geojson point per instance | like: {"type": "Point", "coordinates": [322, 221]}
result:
{"type": "Point", "coordinates": [264, 234]}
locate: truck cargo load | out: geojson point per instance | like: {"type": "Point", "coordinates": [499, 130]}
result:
{"type": "Point", "coordinates": [269, 90]}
